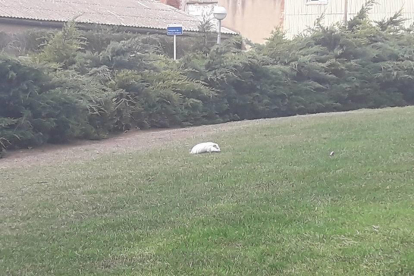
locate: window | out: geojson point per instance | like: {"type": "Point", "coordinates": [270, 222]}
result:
{"type": "Point", "coordinates": [316, 2]}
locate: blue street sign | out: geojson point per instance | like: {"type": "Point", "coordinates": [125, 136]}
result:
{"type": "Point", "coordinates": [174, 29]}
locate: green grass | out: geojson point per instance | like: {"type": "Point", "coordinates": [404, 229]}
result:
{"type": "Point", "coordinates": [272, 203]}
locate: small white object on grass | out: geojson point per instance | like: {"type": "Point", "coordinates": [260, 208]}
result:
{"type": "Point", "coordinates": [332, 153]}
{"type": "Point", "coordinates": [205, 147]}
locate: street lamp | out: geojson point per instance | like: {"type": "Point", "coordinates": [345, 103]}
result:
{"type": "Point", "coordinates": [219, 13]}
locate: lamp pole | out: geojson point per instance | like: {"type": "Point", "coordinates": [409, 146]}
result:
{"type": "Point", "coordinates": [219, 13]}
{"type": "Point", "coordinates": [346, 12]}
{"type": "Point", "coordinates": [219, 32]}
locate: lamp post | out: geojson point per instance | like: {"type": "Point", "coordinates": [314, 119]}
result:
{"type": "Point", "coordinates": [346, 12]}
{"type": "Point", "coordinates": [219, 13]}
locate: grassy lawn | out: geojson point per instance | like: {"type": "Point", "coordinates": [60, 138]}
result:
{"type": "Point", "coordinates": [272, 203]}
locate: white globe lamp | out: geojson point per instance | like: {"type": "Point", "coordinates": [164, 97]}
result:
{"type": "Point", "coordinates": [219, 13]}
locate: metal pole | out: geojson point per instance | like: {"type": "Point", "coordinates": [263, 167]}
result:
{"type": "Point", "coordinates": [219, 32]}
{"type": "Point", "coordinates": [346, 12]}
{"type": "Point", "coordinates": [175, 47]}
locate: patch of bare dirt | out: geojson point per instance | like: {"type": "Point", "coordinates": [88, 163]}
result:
{"type": "Point", "coordinates": [128, 142]}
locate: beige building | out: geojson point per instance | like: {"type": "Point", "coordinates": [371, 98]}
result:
{"type": "Point", "coordinates": [252, 18]}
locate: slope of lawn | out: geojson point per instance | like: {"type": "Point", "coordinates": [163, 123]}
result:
{"type": "Point", "coordinates": [272, 203]}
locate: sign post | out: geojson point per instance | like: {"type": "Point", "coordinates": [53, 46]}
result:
{"type": "Point", "coordinates": [175, 29]}
{"type": "Point", "coordinates": [175, 47]}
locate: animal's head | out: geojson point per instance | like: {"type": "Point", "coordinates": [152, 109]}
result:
{"type": "Point", "coordinates": [215, 148]}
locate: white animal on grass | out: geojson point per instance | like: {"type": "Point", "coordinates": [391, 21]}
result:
{"type": "Point", "coordinates": [205, 147]}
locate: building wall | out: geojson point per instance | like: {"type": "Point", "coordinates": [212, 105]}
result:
{"type": "Point", "coordinates": [200, 10]}
{"type": "Point", "coordinates": [300, 15]}
{"type": "Point", "coordinates": [174, 3]}
{"type": "Point", "coordinates": [13, 29]}
{"type": "Point", "coordinates": [253, 19]}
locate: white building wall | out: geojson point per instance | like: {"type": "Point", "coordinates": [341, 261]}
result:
{"type": "Point", "coordinates": [203, 11]}
{"type": "Point", "coordinates": [200, 10]}
{"type": "Point", "coordinates": [301, 14]}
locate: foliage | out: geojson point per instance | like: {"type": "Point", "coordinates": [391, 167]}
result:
{"type": "Point", "coordinates": [63, 47]}
{"type": "Point", "coordinates": [32, 110]}
{"type": "Point", "coordinates": [67, 91]}
{"type": "Point", "coordinates": [361, 65]}
{"type": "Point", "coordinates": [20, 44]}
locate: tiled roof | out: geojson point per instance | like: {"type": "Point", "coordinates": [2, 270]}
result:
{"type": "Point", "coordinates": [129, 13]}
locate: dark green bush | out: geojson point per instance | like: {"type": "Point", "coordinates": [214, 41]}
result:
{"type": "Point", "coordinates": [32, 111]}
